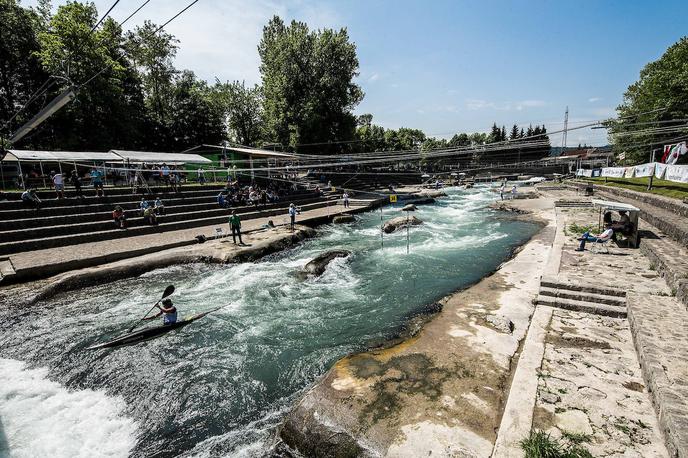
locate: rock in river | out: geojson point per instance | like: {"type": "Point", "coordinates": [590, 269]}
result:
{"type": "Point", "coordinates": [345, 218]}
{"type": "Point", "coordinates": [318, 264]}
{"type": "Point", "coordinates": [399, 222]}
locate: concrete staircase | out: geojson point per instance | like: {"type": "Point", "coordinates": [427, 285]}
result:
{"type": "Point", "coordinates": [582, 298]}
{"type": "Point", "coordinates": [73, 221]}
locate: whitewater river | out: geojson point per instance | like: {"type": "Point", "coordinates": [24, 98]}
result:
{"type": "Point", "coordinates": [220, 386]}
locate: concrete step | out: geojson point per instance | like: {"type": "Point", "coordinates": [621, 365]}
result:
{"type": "Point", "coordinates": [82, 232]}
{"type": "Point", "coordinates": [551, 282]}
{"type": "Point", "coordinates": [594, 298]}
{"type": "Point", "coordinates": [107, 204]}
{"type": "Point", "coordinates": [39, 220]}
{"type": "Point", "coordinates": [15, 203]}
{"type": "Point", "coordinates": [582, 306]}
{"type": "Point", "coordinates": [6, 268]}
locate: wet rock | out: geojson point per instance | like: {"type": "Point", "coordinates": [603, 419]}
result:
{"type": "Point", "coordinates": [422, 200]}
{"type": "Point", "coordinates": [505, 207]}
{"type": "Point", "coordinates": [318, 265]}
{"type": "Point", "coordinates": [339, 219]}
{"type": "Point", "coordinates": [430, 193]}
{"type": "Point", "coordinates": [400, 222]}
{"type": "Point", "coordinates": [501, 323]}
{"type": "Point", "coordinates": [409, 208]}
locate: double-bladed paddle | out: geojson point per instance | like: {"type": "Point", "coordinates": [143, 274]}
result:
{"type": "Point", "coordinates": [168, 291]}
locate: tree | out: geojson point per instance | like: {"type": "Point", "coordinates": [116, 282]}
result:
{"type": "Point", "coordinates": [107, 111]}
{"type": "Point", "coordinates": [308, 83]}
{"type": "Point", "coordinates": [153, 55]}
{"type": "Point", "coordinates": [514, 133]}
{"type": "Point", "coordinates": [21, 73]}
{"type": "Point", "coordinates": [195, 119]}
{"type": "Point", "coordinates": [242, 109]}
{"type": "Point", "coordinates": [660, 94]}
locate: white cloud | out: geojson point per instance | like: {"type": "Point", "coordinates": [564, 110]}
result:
{"type": "Point", "coordinates": [604, 112]}
{"type": "Point", "coordinates": [594, 99]}
{"type": "Point", "coordinates": [374, 77]}
{"type": "Point", "coordinates": [478, 104]}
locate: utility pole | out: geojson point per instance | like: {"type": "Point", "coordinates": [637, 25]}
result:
{"type": "Point", "coordinates": [564, 134]}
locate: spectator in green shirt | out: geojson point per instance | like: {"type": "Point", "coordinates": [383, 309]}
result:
{"type": "Point", "coordinates": [235, 227]}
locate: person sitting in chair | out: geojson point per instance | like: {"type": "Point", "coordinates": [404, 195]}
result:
{"type": "Point", "coordinates": [603, 237]}
{"type": "Point", "coordinates": [624, 224]}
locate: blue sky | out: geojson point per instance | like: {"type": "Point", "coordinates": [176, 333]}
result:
{"type": "Point", "coordinates": [448, 66]}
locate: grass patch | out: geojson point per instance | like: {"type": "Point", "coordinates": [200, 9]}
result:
{"type": "Point", "coordinates": [541, 445]}
{"type": "Point", "coordinates": [660, 187]}
{"type": "Point", "coordinates": [576, 229]}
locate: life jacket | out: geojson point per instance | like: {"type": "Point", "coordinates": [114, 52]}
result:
{"type": "Point", "coordinates": [169, 318]}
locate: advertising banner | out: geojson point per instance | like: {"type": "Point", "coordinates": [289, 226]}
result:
{"type": "Point", "coordinates": [644, 170]}
{"type": "Point", "coordinates": [678, 173]}
{"type": "Point", "coordinates": [613, 172]}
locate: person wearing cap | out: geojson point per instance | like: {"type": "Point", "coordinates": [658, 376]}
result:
{"type": "Point", "coordinates": [168, 312]}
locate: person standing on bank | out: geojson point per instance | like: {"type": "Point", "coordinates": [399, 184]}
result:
{"type": "Point", "coordinates": [501, 191]}
{"type": "Point", "coordinates": [345, 198]}
{"type": "Point", "coordinates": [235, 227]}
{"type": "Point", "coordinates": [292, 215]}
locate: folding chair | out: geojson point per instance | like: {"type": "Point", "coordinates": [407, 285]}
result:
{"type": "Point", "coordinates": [599, 245]}
{"type": "Point", "coordinates": [220, 233]}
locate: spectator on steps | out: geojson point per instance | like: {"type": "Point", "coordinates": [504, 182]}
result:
{"type": "Point", "coordinates": [30, 199]}
{"type": "Point", "coordinates": [119, 217]}
{"type": "Point", "coordinates": [58, 183]}
{"type": "Point", "coordinates": [165, 174]}
{"type": "Point", "coordinates": [150, 217]}
{"type": "Point", "coordinates": [76, 182]}
{"type": "Point", "coordinates": [221, 200]}
{"type": "Point", "coordinates": [201, 176]}
{"type": "Point", "coordinates": [143, 206]}
{"type": "Point", "coordinates": [97, 181]}
{"type": "Point", "coordinates": [159, 206]}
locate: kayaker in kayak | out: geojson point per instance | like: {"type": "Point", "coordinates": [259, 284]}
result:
{"type": "Point", "coordinates": [168, 312]}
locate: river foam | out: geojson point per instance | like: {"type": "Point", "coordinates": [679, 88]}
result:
{"type": "Point", "coordinates": [41, 418]}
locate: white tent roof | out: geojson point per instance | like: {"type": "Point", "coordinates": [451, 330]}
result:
{"type": "Point", "coordinates": [158, 158]}
{"type": "Point", "coordinates": [56, 156]}
{"type": "Point", "coordinates": [250, 151]}
{"type": "Point", "coordinates": [614, 206]}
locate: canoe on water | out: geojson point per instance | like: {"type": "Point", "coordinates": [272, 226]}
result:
{"type": "Point", "coordinates": [147, 334]}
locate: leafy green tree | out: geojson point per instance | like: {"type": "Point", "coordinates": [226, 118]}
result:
{"type": "Point", "coordinates": [21, 73]}
{"type": "Point", "coordinates": [107, 111]}
{"type": "Point", "coordinates": [242, 108]}
{"type": "Point", "coordinates": [660, 94]}
{"type": "Point", "coordinates": [460, 140]}
{"type": "Point", "coordinates": [152, 53]}
{"type": "Point", "coordinates": [196, 119]}
{"type": "Point", "coordinates": [308, 83]}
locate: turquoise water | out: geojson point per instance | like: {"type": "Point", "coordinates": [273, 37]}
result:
{"type": "Point", "coordinates": [220, 386]}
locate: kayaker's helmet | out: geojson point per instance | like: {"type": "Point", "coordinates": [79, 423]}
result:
{"type": "Point", "coordinates": [167, 302]}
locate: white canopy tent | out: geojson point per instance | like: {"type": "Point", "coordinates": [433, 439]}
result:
{"type": "Point", "coordinates": [633, 213]}
{"type": "Point", "coordinates": [58, 157]}
{"type": "Point", "coordinates": [158, 158]}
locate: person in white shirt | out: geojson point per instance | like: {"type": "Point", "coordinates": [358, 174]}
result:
{"type": "Point", "coordinates": [58, 182]}
{"type": "Point", "coordinates": [345, 197]}
{"type": "Point", "coordinates": [513, 192]}
{"type": "Point", "coordinates": [603, 237]}
{"type": "Point", "coordinates": [501, 191]}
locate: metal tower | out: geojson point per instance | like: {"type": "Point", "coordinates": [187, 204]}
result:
{"type": "Point", "coordinates": [566, 126]}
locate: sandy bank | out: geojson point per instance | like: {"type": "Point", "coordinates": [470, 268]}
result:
{"type": "Point", "coordinates": [440, 392]}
